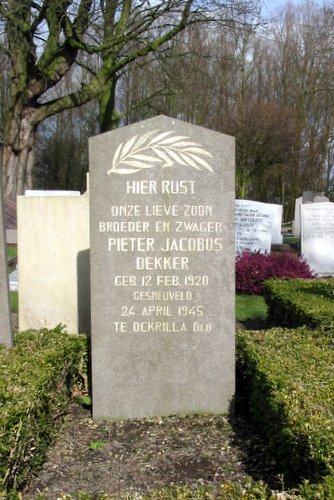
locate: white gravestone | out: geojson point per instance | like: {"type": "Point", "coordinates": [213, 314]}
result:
{"type": "Point", "coordinates": [162, 270]}
{"type": "Point", "coordinates": [253, 226]}
{"type": "Point", "coordinates": [317, 237]}
{"type": "Point", "coordinates": [276, 223]}
{"type": "Point", "coordinates": [50, 192]}
{"type": "Point", "coordinates": [307, 198]}
{"type": "Point", "coordinates": [296, 221]}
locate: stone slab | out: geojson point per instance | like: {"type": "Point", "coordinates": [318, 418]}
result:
{"type": "Point", "coordinates": [296, 221]}
{"type": "Point", "coordinates": [14, 281]}
{"type": "Point", "coordinates": [253, 226]}
{"type": "Point", "coordinates": [6, 333]}
{"type": "Point", "coordinates": [162, 270]}
{"type": "Point", "coordinates": [11, 236]}
{"type": "Point", "coordinates": [317, 237]}
{"type": "Point", "coordinates": [51, 192]}
{"type": "Point", "coordinates": [53, 262]}
{"type": "Point", "coordinates": [276, 224]}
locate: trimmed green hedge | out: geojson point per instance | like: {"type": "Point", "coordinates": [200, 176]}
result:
{"type": "Point", "coordinates": [285, 381]}
{"type": "Point", "coordinates": [296, 302]}
{"type": "Point", "coordinates": [35, 381]}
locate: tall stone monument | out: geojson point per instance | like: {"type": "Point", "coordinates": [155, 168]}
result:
{"type": "Point", "coordinates": [162, 270]}
{"type": "Point", "coordinates": [6, 334]}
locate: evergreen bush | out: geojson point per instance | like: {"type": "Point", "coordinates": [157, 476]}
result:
{"type": "Point", "coordinates": [285, 384]}
{"type": "Point", "coordinates": [296, 302]}
{"type": "Point", "coordinates": [35, 386]}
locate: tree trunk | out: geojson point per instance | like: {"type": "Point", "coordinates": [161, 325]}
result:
{"type": "Point", "coordinates": [108, 118]}
{"type": "Point", "coordinates": [18, 154]}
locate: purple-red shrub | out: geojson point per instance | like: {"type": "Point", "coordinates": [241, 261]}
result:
{"type": "Point", "coordinates": [253, 268]}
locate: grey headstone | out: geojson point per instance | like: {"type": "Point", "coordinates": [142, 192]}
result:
{"type": "Point", "coordinates": [320, 199]}
{"type": "Point", "coordinates": [6, 334]}
{"type": "Point", "coordinates": [162, 270]}
{"type": "Point", "coordinates": [309, 196]}
{"type": "Point", "coordinates": [317, 237]}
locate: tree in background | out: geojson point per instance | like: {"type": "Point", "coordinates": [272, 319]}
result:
{"type": "Point", "coordinates": [45, 40]}
{"type": "Point", "coordinates": [61, 160]}
{"type": "Point", "coordinates": [269, 86]}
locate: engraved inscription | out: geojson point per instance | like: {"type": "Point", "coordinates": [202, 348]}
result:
{"type": "Point", "coordinates": [163, 240]}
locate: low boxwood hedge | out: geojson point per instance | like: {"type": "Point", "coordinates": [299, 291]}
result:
{"type": "Point", "coordinates": [35, 381]}
{"type": "Point", "coordinates": [285, 382]}
{"type": "Point", "coordinates": [296, 302]}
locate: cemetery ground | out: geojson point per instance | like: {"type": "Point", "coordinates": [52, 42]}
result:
{"type": "Point", "coordinates": [196, 456]}
{"type": "Point", "coordinates": [131, 459]}
{"type": "Point", "coordinates": [180, 454]}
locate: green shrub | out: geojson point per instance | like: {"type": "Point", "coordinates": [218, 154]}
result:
{"type": "Point", "coordinates": [296, 302]}
{"type": "Point", "coordinates": [36, 377]}
{"type": "Point", "coordinates": [227, 491]}
{"type": "Point", "coordinates": [320, 491]}
{"type": "Point", "coordinates": [285, 381]}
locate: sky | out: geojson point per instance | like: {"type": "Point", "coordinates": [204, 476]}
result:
{"type": "Point", "coordinates": [271, 6]}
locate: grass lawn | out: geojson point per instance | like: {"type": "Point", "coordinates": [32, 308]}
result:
{"type": "Point", "coordinates": [11, 250]}
{"type": "Point", "coordinates": [13, 302]}
{"type": "Point", "coordinates": [250, 307]}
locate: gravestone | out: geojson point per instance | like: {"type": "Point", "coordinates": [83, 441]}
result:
{"type": "Point", "coordinates": [317, 237]}
{"type": "Point", "coordinates": [162, 270]}
{"type": "Point", "coordinates": [296, 220]}
{"type": "Point", "coordinates": [307, 198]}
{"type": "Point", "coordinates": [6, 334]}
{"type": "Point", "coordinates": [311, 196]}
{"type": "Point", "coordinates": [53, 271]}
{"type": "Point", "coordinates": [276, 223]}
{"type": "Point", "coordinates": [50, 192]}
{"type": "Point", "coordinates": [253, 226]}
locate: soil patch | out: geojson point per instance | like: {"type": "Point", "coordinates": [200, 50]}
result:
{"type": "Point", "coordinates": [138, 456]}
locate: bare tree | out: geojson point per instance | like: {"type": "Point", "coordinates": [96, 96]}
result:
{"type": "Point", "coordinates": [44, 40]}
{"type": "Point", "coordinates": [303, 68]}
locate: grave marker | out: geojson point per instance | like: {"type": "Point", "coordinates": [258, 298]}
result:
{"type": "Point", "coordinates": [53, 242]}
{"type": "Point", "coordinates": [276, 224]}
{"type": "Point", "coordinates": [307, 198]}
{"type": "Point", "coordinates": [296, 220]}
{"type": "Point", "coordinates": [6, 334]}
{"type": "Point", "coordinates": [317, 236]}
{"type": "Point", "coordinates": [253, 226]}
{"type": "Point", "coordinates": [162, 270]}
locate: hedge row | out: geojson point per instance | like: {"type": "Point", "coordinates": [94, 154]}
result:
{"type": "Point", "coordinates": [296, 302]}
{"type": "Point", "coordinates": [35, 382]}
{"type": "Point", "coordinates": [285, 382]}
